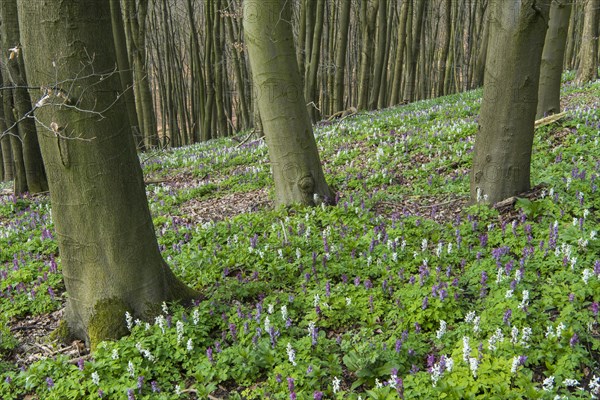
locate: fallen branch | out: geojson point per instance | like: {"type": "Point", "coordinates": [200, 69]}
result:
{"type": "Point", "coordinates": [245, 140]}
{"type": "Point", "coordinates": [550, 119]}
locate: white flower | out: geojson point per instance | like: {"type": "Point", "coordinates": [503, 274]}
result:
{"type": "Point", "coordinates": [131, 369]}
{"type": "Point", "coordinates": [548, 384]}
{"type": "Point", "coordinates": [378, 384]}
{"type": "Point", "coordinates": [473, 365]}
{"type": "Point", "coordinates": [177, 390]}
{"type": "Point", "coordinates": [298, 253]}
{"type": "Point", "coordinates": [436, 374]}
{"type": "Point", "coordinates": [336, 384]}
{"type": "Point", "coordinates": [449, 364]}
{"type": "Point", "coordinates": [316, 300]}
{"type": "Point", "coordinates": [270, 308]}
{"type": "Point", "coordinates": [160, 321]}
{"type": "Point", "coordinates": [469, 317]}
{"type": "Point", "coordinates": [476, 324]}
{"type": "Point", "coordinates": [549, 332]}
{"type": "Point", "coordinates": [525, 300]}
{"type": "Point", "coordinates": [497, 337]}
{"type": "Point", "coordinates": [128, 320]}
{"type": "Point", "coordinates": [348, 301]}
{"type": "Point", "coordinates": [559, 329]}
{"type": "Point", "coordinates": [267, 324]}
{"type": "Point", "coordinates": [284, 312]}
{"type": "Point", "coordinates": [95, 378]}
{"type": "Point", "coordinates": [442, 329]}
{"type": "Point", "coordinates": [515, 365]}
{"type": "Point", "coordinates": [587, 274]}
{"type": "Point", "coordinates": [196, 316]}
{"type": "Point", "coordinates": [179, 329]}
{"type": "Point", "coordinates": [189, 346]}
{"type": "Point", "coordinates": [165, 309]}
{"type": "Point", "coordinates": [466, 349]}
{"type": "Point", "coordinates": [424, 245]}
{"type": "Point", "coordinates": [291, 354]}
{"type": "Point", "coordinates": [514, 335]}
{"type": "Point", "coordinates": [525, 334]}
{"type": "Point", "coordinates": [571, 382]}
{"type": "Point", "coordinates": [115, 354]}
{"type": "Point", "coordinates": [509, 294]}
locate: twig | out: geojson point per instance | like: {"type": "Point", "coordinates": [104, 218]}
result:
{"type": "Point", "coordinates": [550, 119]}
{"type": "Point", "coordinates": [245, 140]}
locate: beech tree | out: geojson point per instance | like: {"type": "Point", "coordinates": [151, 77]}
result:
{"type": "Point", "coordinates": [32, 178]}
{"type": "Point", "coordinates": [110, 258]}
{"type": "Point", "coordinates": [502, 156]}
{"type": "Point", "coordinates": [552, 59]}
{"type": "Point", "coordinates": [279, 94]}
{"type": "Point", "coordinates": [588, 53]}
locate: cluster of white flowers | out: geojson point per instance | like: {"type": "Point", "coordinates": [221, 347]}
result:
{"type": "Point", "coordinates": [115, 354]}
{"type": "Point", "coordinates": [548, 384]}
{"type": "Point", "coordinates": [466, 349]}
{"type": "Point", "coordinates": [438, 250]}
{"type": "Point", "coordinates": [267, 324]}
{"type": "Point", "coordinates": [348, 301]}
{"type": "Point", "coordinates": [131, 369]}
{"type": "Point", "coordinates": [472, 318]}
{"type": "Point", "coordinates": [316, 300]}
{"type": "Point", "coordinates": [587, 274]}
{"type": "Point", "coordinates": [270, 308]}
{"type": "Point", "coordinates": [179, 329]}
{"type": "Point", "coordinates": [95, 378]}
{"type": "Point", "coordinates": [442, 329]}
{"type": "Point", "coordinates": [336, 384]}
{"type": "Point", "coordinates": [496, 338]}
{"type": "Point", "coordinates": [525, 301]}
{"type": "Point", "coordinates": [515, 365]}
{"type": "Point", "coordinates": [128, 320]}
{"type": "Point", "coordinates": [424, 245]}
{"type": "Point", "coordinates": [514, 335]}
{"type": "Point", "coordinates": [160, 321]}
{"type": "Point", "coordinates": [525, 335]}
{"type": "Point", "coordinates": [298, 253]}
{"type": "Point", "coordinates": [189, 345]}
{"type": "Point", "coordinates": [165, 309]}
{"type": "Point", "coordinates": [284, 312]}
{"type": "Point", "coordinates": [509, 293]}
{"type": "Point", "coordinates": [594, 387]}
{"type": "Point", "coordinates": [144, 352]}
{"type": "Point", "coordinates": [196, 316]}
{"type": "Point", "coordinates": [473, 365]}
{"type": "Point", "coordinates": [291, 354]}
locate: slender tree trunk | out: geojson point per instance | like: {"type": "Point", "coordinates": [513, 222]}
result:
{"type": "Point", "coordinates": [552, 59]}
{"type": "Point", "coordinates": [313, 68]}
{"type": "Point", "coordinates": [125, 73]}
{"type": "Point", "coordinates": [110, 257]}
{"type": "Point", "coordinates": [502, 156]}
{"type": "Point", "coordinates": [483, 49]}
{"type": "Point", "coordinates": [416, 46]}
{"type": "Point", "coordinates": [32, 157]}
{"type": "Point", "coordinates": [588, 54]}
{"type": "Point", "coordinates": [401, 40]}
{"type": "Point", "coordinates": [368, 15]}
{"type": "Point", "coordinates": [445, 47]}
{"type": "Point", "coordinates": [380, 50]}
{"type": "Point", "coordinates": [7, 157]}
{"type": "Point", "coordinates": [293, 151]}
{"type": "Point", "coordinates": [340, 57]}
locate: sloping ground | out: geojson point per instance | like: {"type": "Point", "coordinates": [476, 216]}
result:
{"type": "Point", "coordinates": [402, 288]}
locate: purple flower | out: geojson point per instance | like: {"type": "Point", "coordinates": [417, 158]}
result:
{"type": "Point", "coordinates": [574, 340]}
{"type": "Point", "coordinates": [80, 364]}
{"type": "Point", "coordinates": [425, 303]}
{"type": "Point", "coordinates": [595, 308]}
{"type": "Point", "coordinates": [130, 395]}
{"type": "Point", "coordinates": [318, 395]}
{"type": "Point", "coordinates": [290, 382]}
{"type": "Point", "coordinates": [100, 393]}
{"type": "Point", "coordinates": [507, 316]}
{"type": "Point", "coordinates": [49, 382]}
{"type": "Point", "coordinates": [140, 383]}
{"type": "Point", "coordinates": [278, 378]}
{"type": "Point", "coordinates": [233, 331]}
{"type": "Point", "coordinates": [209, 354]}
{"type": "Point", "coordinates": [154, 386]}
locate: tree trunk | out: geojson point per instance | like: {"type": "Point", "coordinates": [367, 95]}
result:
{"type": "Point", "coordinates": [409, 93]}
{"type": "Point", "coordinates": [483, 49]}
{"type": "Point", "coordinates": [125, 74]}
{"type": "Point", "coordinates": [7, 157]}
{"type": "Point", "coordinates": [502, 155]}
{"type": "Point", "coordinates": [15, 72]}
{"type": "Point", "coordinates": [552, 59]}
{"type": "Point", "coordinates": [588, 53]}
{"type": "Point", "coordinates": [401, 39]}
{"type": "Point", "coordinates": [380, 50]}
{"type": "Point", "coordinates": [110, 257]}
{"type": "Point", "coordinates": [313, 68]}
{"type": "Point", "coordinates": [293, 151]}
{"type": "Point", "coordinates": [368, 15]}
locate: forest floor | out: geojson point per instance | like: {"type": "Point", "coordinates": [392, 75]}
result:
{"type": "Point", "coordinates": [402, 289]}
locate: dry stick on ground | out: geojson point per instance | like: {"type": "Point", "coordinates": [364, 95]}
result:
{"type": "Point", "coordinates": [550, 119]}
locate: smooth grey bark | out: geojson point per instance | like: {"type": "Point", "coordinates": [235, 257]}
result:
{"type": "Point", "coordinates": [401, 38]}
{"type": "Point", "coordinates": [588, 53]}
{"type": "Point", "coordinates": [292, 147]}
{"type": "Point", "coordinates": [12, 57]}
{"type": "Point", "coordinates": [552, 59]}
{"type": "Point", "coordinates": [110, 257]}
{"type": "Point", "coordinates": [340, 56]}
{"type": "Point", "coordinates": [502, 155]}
